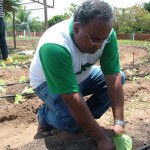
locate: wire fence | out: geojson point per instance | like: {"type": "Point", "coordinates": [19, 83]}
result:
{"type": "Point", "coordinates": [24, 22]}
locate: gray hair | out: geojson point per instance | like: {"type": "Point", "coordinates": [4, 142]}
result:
{"type": "Point", "coordinates": [91, 9]}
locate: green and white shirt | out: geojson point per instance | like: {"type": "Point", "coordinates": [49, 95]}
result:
{"type": "Point", "coordinates": [59, 62]}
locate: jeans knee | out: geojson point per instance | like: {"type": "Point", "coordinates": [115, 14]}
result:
{"type": "Point", "coordinates": [68, 124]}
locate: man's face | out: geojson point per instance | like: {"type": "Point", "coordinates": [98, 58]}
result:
{"type": "Point", "coordinates": [91, 37]}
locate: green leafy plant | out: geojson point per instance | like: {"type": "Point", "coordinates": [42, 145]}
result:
{"type": "Point", "coordinates": [147, 77]}
{"type": "Point", "coordinates": [27, 90]}
{"type": "Point", "coordinates": [135, 78]}
{"type": "Point", "coordinates": [16, 62]}
{"type": "Point", "coordinates": [2, 89]}
{"type": "Point", "coordinates": [122, 142]}
{"type": "Point", "coordinates": [18, 98]}
{"type": "Point", "coordinates": [22, 79]}
{"type": "Point", "coordinates": [3, 64]}
{"type": "Point", "coordinates": [1, 82]}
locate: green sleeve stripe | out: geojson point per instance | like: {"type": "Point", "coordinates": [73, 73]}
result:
{"type": "Point", "coordinates": [110, 58]}
{"type": "Point", "coordinates": [57, 65]}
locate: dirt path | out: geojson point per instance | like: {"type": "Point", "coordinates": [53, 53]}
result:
{"type": "Point", "coordinates": [18, 123]}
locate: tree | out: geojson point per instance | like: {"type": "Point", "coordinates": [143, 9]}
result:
{"type": "Point", "coordinates": [10, 6]}
{"type": "Point", "coordinates": [57, 18]}
{"type": "Point", "coordinates": [147, 6]}
{"type": "Point", "coordinates": [25, 22]}
{"type": "Point", "coordinates": [120, 21]}
{"type": "Point", "coordinates": [37, 26]}
{"type": "Point", "coordinates": [69, 13]}
{"type": "Point", "coordinates": [71, 9]}
{"type": "Point", "coordinates": [132, 19]}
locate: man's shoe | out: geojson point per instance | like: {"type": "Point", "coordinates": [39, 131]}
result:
{"type": "Point", "coordinates": [45, 132]}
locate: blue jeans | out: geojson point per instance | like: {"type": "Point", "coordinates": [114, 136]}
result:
{"type": "Point", "coordinates": [3, 45]}
{"type": "Point", "coordinates": [55, 111]}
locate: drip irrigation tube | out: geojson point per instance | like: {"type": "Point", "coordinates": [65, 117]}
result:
{"type": "Point", "coordinates": [9, 84]}
{"type": "Point", "coordinates": [25, 65]}
{"type": "Point", "coordinates": [147, 147]}
{"type": "Point", "coordinates": [127, 78]}
{"type": "Point", "coordinates": [137, 75]}
{"type": "Point", "coordinates": [14, 95]}
{"type": "Point", "coordinates": [131, 66]}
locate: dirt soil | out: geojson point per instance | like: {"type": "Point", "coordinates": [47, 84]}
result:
{"type": "Point", "coordinates": [18, 122]}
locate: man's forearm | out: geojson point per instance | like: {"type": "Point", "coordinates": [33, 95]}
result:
{"type": "Point", "coordinates": [115, 93]}
{"type": "Point", "coordinates": [117, 102]}
{"type": "Point", "coordinates": [83, 116]}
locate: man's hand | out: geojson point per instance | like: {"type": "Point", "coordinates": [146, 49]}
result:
{"type": "Point", "coordinates": [106, 144]}
{"type": "Point", "coordinates": [119, 129]}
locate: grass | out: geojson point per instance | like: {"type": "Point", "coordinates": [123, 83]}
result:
{"type": "Point", "coordinates": [15, 60]}
{"type": "Point", "coordinates": [14, 54]}
{"type": "Point", "coordinates": [141, 44]}
{"type": "Point", "coordinates": [23, 38]}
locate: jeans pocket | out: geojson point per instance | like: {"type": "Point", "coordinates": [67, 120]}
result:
{"type": "Point", "coordinates": [46, 97]}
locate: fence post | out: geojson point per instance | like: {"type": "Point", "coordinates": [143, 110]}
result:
{"type": "Point", "coordinates": [132, 35]}
{"type": "Point", "coordinates": [24, 33]}
{"type": "Point", "coordinates": [34, 33]}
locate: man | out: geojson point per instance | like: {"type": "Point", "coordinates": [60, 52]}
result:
{"type": "Point", "coordinates": [63, 72]}
{"type": "Point", "coordinates": [3, 45]}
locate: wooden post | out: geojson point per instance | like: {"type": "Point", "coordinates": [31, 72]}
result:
{"type": "Point", "coordinates": [45, 14]}
{"type": "Point", "coordinates": [14, 29]}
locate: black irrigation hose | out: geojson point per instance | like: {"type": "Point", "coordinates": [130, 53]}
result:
{"type": "Point", "coordinates": [127, 78]}
{"type": "Point", "coordinates": [9, 84]}
{"type": "Point", "coordinates": [137, 75]}
{"type": "Point", "coordinates": [147, 147]}
{"type": "Point", "coordinates": [20, 65]}
{"type": "Point", "coordinates": [131, 66]}
{"type": "Point", "coordinates": [14, 95]}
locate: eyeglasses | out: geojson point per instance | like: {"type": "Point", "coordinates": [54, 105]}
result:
{"type": "Point", "coordinates": [93, 43]}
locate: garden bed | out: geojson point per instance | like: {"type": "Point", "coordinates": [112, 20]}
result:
{"type": "Point", "coordinates": [18, 122]}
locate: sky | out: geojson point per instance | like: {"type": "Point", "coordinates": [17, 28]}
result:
{"type": "Point", "coordinates": [61, 6]}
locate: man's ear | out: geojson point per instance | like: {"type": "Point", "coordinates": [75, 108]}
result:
{"type": "Point", "coordinates": [76, 27]}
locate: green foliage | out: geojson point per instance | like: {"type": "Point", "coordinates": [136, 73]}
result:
{"type": "Point", "coordinates": [122, 142]}
{"type": "Point", "coordinates": [145, 44]}
{"type": "Point", "coordinates": [36, 25]}
{"type": "Point", "coordinates": [24, 21]}
{"type": "Point", "coordinates": [27, 90]}
{"type": "Point", "coordinates": [22, 79]}
{"type": "Point", "coordinates": [147, 77]}
{"type": "Point", "coordinates": [17, 59]}
{"type": "Point", "coordinates": [18, 99]}
{"type": "Point", "coordinates": [147, 6]}
{"type": "Point", "coordinates": [1, 82]}
{"type": "Point", "coordinates": [71, 9]}
{"type": "Point", "coordinates": [132, 19]}
{"type": "Point", "coordinates": [2, 89]}
{"type": "Point", "coordinates": [2, 64]}
{"type": "Point", "coordinates": [11, 3]}
{"type": "Point", "coordinates": [57, 19]}
{"type": "Point", "coordinates": [9, 6]}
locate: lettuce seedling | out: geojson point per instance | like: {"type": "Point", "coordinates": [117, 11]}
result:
{"type": "Point", "coordinates": [122, 142]}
